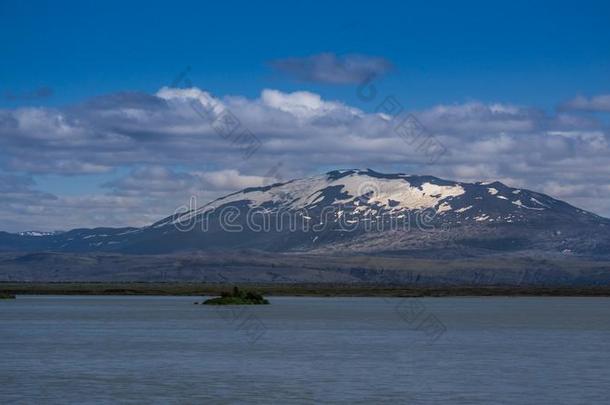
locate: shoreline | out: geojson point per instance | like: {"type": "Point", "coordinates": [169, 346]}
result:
{"type": "Point", "coordinates": [305, 290]}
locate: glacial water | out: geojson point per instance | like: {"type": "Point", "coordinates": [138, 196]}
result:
{"type": "Point", "coordinates": [83, 349]}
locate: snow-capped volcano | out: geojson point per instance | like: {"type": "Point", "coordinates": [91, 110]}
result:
{"type": "Point", "coordinates": [366, 193]}
{"type": "Point", "coordinates": [364, 211]}
{"type": "Point", "coordinates": [393, 192]}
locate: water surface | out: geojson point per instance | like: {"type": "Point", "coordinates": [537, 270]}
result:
{"type": "Point", "coordinates": [74, 349]}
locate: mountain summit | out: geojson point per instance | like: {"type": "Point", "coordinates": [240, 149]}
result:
{"type": "Point", "coordinates": [347, 211]}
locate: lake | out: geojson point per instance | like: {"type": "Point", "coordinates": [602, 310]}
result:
{"type": "Point", "coordinates": [90, 349]}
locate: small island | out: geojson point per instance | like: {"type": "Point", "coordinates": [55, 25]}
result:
{"type": "Point", "coordinates": [6, 296]}
{"type": "Point", "coordinates": [237, 297]}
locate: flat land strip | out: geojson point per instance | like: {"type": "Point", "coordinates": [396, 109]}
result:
{"type": "Point", "coordinates": [317, 290]}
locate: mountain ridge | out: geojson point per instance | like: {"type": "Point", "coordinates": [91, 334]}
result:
{"type": "Point", "coordinates": [355, 210]}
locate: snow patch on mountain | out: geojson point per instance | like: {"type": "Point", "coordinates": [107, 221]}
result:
{"type": "Point", "coordinates": [521, 205]}
{"type": "Point", "coordinates": [460, 210]}
{"type": "Point", "coordinates": [395, 194]}
{"type": "Point", "coordinates": [39, 233]}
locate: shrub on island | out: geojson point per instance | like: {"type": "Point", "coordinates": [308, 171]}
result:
{"type": "Point", "coordinates": [237, 297]}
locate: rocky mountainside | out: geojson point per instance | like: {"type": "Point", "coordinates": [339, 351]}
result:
{"type": "Point", "coordinates": [360, 211]}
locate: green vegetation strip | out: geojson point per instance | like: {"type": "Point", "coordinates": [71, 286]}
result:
{"type": "Point", "coordinates": [329, 290]}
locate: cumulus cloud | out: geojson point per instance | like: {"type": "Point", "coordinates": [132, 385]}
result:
{"type": "Point", "coordinates": [592, 104]}
{"type": "Point", "coordinates": [230, 179]}
{"type": "Point", "coordinates": [333, 69]}
{"type": "Point", "coordinates": [159, 149]}
{"type": "Point", "coordinates": [153, 181]}
{"type": "Point", "coordinates": [159, 181]}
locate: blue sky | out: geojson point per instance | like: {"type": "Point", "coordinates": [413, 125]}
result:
{"type": "Point", "coordinates": [449, 60]}
{"type": "Point", "coordinates": [520, 52]}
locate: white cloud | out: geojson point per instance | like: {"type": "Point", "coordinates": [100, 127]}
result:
{"type": "Point", "coordinates": [230, 179]}
{"type": "Point", "coordinates": [177, 153]}
{"type": "Point", "coordinates": [596, 103]}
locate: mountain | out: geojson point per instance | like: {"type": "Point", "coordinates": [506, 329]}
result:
{"type": "Point", "coordinates": [357, 211]}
